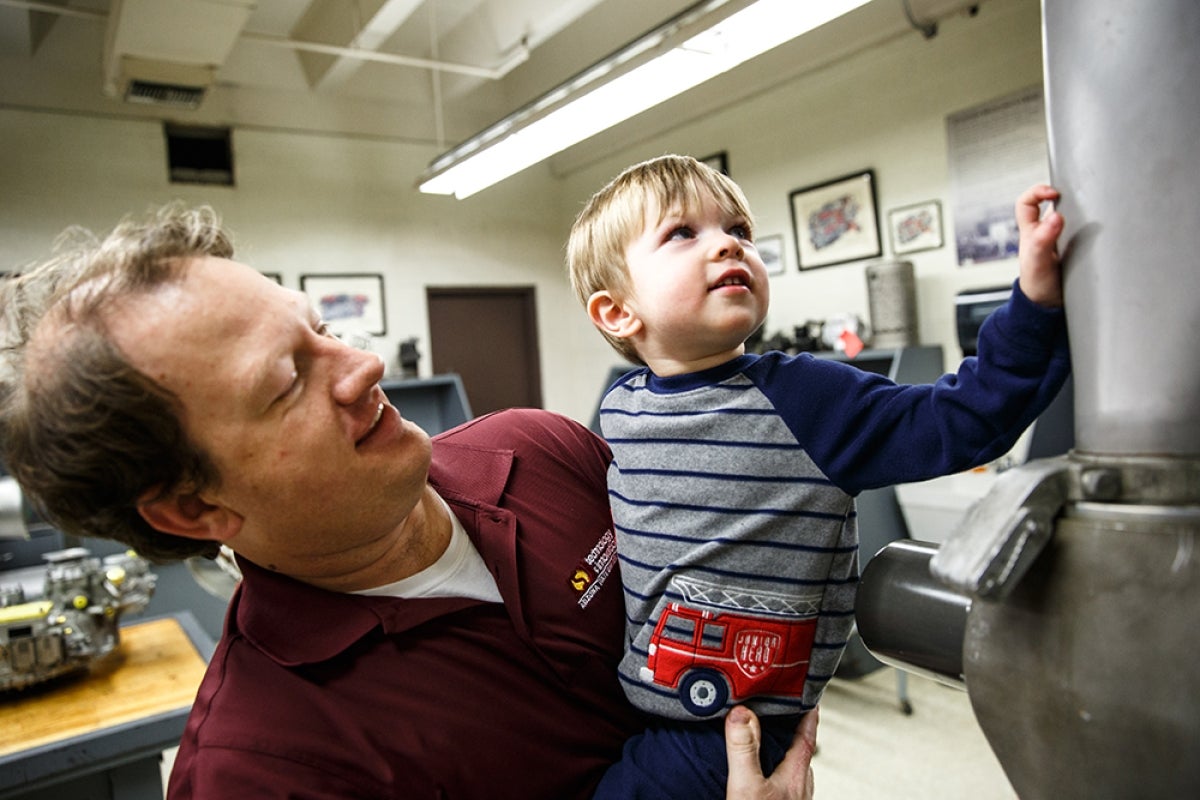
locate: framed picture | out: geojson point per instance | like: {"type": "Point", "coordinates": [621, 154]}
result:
{"type": "Point", "coordinates": [348, 303]}
{"type": "Point", "coordinates": [770, 249]}
{"type": "Point", "coordinates": [717, 161]}
{"type": "Point", "coordinates": [275, 276]}
{"type": "Point", "coordinates": [916, 227]}
{"type": "Point", "coordinates": [836, 221]}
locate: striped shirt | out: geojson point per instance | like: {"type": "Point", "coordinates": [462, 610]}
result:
{"type": "Point", "coordinates": [732, 492]}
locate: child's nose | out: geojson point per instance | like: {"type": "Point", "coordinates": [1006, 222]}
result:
{"type": "Point", "coordinates": [729, 247]}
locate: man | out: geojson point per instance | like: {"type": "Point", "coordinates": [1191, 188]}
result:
{"type": "Point", "coordinates": [416, 618]}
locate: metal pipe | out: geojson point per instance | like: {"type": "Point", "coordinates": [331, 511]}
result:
{"type": "Point", "coordinates": [1123, 118]}
{"type": "Point", "coordinates": [909, 620]}
{"type": "Point", "coordinates": [1080, 648]}
{"type": "Point", "coordinates": [491, 73]}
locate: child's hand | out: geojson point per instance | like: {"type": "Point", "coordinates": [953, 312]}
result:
{"type": "Point", "coordinates": [1040, 274]}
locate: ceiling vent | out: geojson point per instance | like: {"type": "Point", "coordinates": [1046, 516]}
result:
{"type": "Point", "coordinates": [163, 94]}
{"type": "Point", "coordinates": [163, 83]}
{"type": "Point", "coordinates": [167, 52]}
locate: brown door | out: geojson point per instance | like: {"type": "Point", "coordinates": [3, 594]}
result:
{"type": "Point", "coordinates": [489, 337]}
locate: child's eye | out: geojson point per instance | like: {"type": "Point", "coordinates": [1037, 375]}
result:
{"type": "Point", "coordinates": [682, 232]}
{"type": "Point", "coordinates": [322, 328]}
{"type": "Point", "coordinates": [741, 232]}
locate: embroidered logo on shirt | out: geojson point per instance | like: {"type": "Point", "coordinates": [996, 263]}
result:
{"type": "Point", "coordinates": [591, 573]}
{"type": "Point", "coordinates": [581, 579]}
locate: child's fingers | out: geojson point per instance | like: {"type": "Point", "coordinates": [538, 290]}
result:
{"type": "Point", "coordinates": [1028, 206]}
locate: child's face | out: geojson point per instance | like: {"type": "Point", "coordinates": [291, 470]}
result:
{"type": "Point", "coordinates": [698, 286]}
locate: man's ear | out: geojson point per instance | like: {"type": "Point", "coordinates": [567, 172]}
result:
{"type": "Point", "coordinates": [611, 316]}
{"type": "Point", "coordinates": [187, 514]}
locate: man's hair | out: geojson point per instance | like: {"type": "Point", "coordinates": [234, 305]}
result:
{"type": "Point", "coordinates": [616, 215]}
{"type": "Point", "coordinates": [85, 434]}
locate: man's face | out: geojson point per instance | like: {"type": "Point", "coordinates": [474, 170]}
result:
{"type": "Point", "coordinates": [311, 456]}
{"type": "Point", "coordinates": [699, 287]}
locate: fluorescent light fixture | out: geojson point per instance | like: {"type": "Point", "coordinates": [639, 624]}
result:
{"type": "Point", "coordinates": [593, 102]}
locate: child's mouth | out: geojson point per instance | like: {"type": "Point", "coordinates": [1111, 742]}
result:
{"type": "Point", "coordinates": [731, 279]}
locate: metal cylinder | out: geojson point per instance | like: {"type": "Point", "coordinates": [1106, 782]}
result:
{"type": "Point", "coordinates": [1080, 649]}
{"type": "Point", "coordinates": [892, 297]}
{"type": "Point", "coordinates": [12, 510]}
{"type": "Point", "coordinates": [1123, 116]}
{"type": "Point", "coordinates": [909, 620]}
{"type": "Point", "coordinates": [1084, 679]}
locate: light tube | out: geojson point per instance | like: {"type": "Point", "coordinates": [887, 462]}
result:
{"type": "Point", "coordinates": [509, 147]}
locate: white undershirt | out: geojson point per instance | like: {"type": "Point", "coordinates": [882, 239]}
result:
{"type": "Point", "coordinates": [459, 572]}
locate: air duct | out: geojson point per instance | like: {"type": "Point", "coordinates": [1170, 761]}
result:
{"type": "Point", "coordinates": [167, 52]}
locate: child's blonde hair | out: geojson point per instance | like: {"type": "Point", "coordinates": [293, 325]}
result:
{"type": "Point", "coordinates": [616, 215]}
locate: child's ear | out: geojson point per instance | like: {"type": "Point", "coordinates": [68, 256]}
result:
{"type": "Point", "coordinates": [189, 515]}
{"type": "Point", "coordinates": [611, 316]}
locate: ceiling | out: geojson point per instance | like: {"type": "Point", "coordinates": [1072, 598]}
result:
{"type": "Point", "coordinates": [431, 72]}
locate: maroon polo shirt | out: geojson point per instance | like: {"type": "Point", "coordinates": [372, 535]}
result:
{"type": "Point", "coordinates": [317, 694]}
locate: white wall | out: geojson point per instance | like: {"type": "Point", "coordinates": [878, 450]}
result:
{"type": "Point", "coordinates": [304, 203]}
{"type": "Point", "coordinates": [308, 203]}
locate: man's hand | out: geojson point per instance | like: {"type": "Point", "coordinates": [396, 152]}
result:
{"type": "Point", "coordinates": [792, 779]}
{"type": "Point", "coordinates": [1040, 273]}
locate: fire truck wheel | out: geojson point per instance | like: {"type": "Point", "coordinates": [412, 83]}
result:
{"type": "Point", "coordinates": [703, 692]}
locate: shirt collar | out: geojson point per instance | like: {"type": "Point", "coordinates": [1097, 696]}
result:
{"type": "Point", "coordinates": [295, 623]}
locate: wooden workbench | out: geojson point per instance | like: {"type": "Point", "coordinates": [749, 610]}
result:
{"type": "Point", "coordinates": [108, 728]}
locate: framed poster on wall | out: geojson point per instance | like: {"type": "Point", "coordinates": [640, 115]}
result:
{"type": "Point", "coordinates": [916, 227]}
{"type": "Point", "coordinates": [770, 250]}
{"type": "Point", "coordinates": [994, 152]}
{"type": "Point", "coordinates": [836, 221]}
{"type": "Point", "coordinates": [718, 161]}
{"type": "Point", "coordinates": [348, 303]}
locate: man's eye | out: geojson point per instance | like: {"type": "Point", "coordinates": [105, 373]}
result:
{"type": "Point", "coordinates": [293, 383]}
{"type": "Point", "coordinates": [322, 328]}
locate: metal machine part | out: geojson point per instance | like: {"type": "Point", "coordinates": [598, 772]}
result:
{"type": "Point", "coordinates": [12, 518]}
{"type": "Point", "coordinates": [971, 308]}
{"type": "Point", "coordinates": [1082, 573]}
{"type": "Point", "coordinates": [1083, 677]}
{"type": "Point", "coordinates": [218, 576]}
{"type": "Point", "coordinates": [1006, 530]}
{"type": "Point", "coordinates": [1123, 118]}
{"type": "Point", "coordinates": [909, 621]}
{"type": "Point", "coordinates": [74, 623]}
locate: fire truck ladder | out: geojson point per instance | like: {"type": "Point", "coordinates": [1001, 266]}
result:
{"type": "Point", "coordinates": [728, 598]}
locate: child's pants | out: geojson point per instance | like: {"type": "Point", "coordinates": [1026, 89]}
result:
{"type": "Point", "coordinates": [674, 760]}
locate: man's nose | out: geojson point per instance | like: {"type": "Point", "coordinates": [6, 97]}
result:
{"type": "Point", "coordinates": [357, 371]}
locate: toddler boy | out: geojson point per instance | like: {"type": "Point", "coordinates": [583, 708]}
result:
{"type": "Point", "coordinates": [733, 477]}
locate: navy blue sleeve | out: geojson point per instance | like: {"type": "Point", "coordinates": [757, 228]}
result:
{"type": "Point", "coordinates": [864, 431]}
